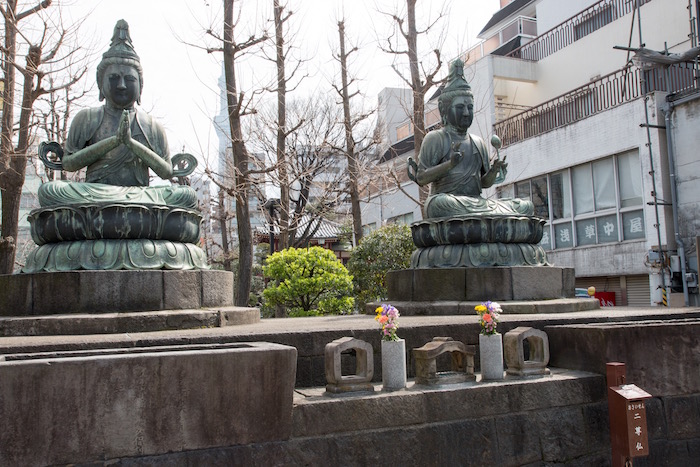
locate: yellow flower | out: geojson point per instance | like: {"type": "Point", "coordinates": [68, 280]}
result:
{"type": "Point", "coordinates": [480, 308]}
{"type": "Point", "coordinates": [378, 310]}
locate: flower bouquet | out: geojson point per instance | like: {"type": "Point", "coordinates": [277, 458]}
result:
{"type": "Point", "coordinates": [393, 349]}
{"type": "Point", "coordinates": [490, 341]}
{"type": "Point", "coordinates": [388, 318]}
{"type": "Point", "coordinates": [489, 313]}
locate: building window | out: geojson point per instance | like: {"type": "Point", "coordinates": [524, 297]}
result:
{"type": "Point", "coordinates": [367, 228]}
{"type": "Point", "coordinates": [590, 204]}
{"type": "Point", "coordinates": [404, 219]}
{"type": "Point", "coordinates": [536, 191]}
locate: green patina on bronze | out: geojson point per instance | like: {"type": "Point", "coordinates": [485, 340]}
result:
{"type": "Point", "coordinates": [115, 220]}
{"type": "Point", "coordinates": [461, 228]}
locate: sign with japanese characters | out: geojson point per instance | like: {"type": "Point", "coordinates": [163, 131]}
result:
{"type": "Point", "coordinates": [637, 426]}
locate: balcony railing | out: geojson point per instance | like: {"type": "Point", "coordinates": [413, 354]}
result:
{"type": "Point", "coordinates": [578, 26]}
{"type": "Point", "coordinates": [605, 93]}
{"type": "Point", "coordinates": [522, 26]}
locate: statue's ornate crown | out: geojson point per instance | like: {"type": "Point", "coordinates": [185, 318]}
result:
{"type": "Point", "coordinates": [121, 45]}
{"type": "Point", "coordinates": [456, 84]}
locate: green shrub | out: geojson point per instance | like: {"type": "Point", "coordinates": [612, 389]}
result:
{"type": "Point", "coordinates": [308, 282]}
{"type": "Point", "coordinates": [383, 250]}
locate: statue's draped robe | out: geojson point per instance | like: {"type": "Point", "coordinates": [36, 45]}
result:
{"type": "Point", "coordinates": [120, 176]}
{"type": "Point", "coordinates": [458, 193]}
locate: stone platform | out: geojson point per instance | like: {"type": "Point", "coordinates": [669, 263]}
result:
{"type": "Point", "coordinates": [559, 419]}
{"type": "Point", "coordinates": [51, 293]}
{"type": "Point", "coordinates": [80, 324]}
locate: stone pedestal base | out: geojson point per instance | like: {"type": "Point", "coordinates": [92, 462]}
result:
{"type": "Point", "coordinates": [113, 291]}
{"type": "Point", "coordinates": [455, 291]}
{"type": "Point", "coordinates": [481, 284]}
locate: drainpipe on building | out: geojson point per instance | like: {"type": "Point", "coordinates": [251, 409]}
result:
{"type": "Point", "coordinates": [667, 109]}
{"type": "Point", "coordinates": [697, 22]}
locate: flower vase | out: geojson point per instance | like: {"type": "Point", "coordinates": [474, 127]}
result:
{"type": "Point", "coordinates": [491, 356]}
{"type": "Point", "coordinates": [394, 365]}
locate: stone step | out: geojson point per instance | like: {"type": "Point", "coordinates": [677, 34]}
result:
{"type": "Point", "coordinates": [133, 322]}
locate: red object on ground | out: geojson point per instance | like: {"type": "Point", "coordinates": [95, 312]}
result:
{"type": "Point", "coordinates": [605, 298]}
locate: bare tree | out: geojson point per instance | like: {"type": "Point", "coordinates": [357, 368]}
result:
{"type": "Point", "coordinates": [236, 107]}
{"type": "Point", "coordinates": [240, 154]}
{"type": "Point", "coordinates": [314, 163]}
{"type": "Point", "coordinates": [52, 115]}
{"type": "Point", "coordinates": [284, 77]}
{"type": "Point", "coordinates": [351, 149]}
{"type": "Point", "coordinates": [43, 44]}
{"type": "Point", "coordinates": [420, 80]}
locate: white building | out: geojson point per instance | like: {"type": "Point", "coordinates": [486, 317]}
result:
{"type": "Point", "coordinates": [586, 146]}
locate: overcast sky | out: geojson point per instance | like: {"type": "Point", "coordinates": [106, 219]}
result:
{"type": "Point", "coordinates": [181, 81]}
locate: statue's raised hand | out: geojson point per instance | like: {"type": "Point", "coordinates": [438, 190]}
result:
{"type": "Point", "coordinates": [499, 164]}
{"type": "Point", "coordinates": [124, 130]}
{"type": "Point", "coordinates": [456, 156]}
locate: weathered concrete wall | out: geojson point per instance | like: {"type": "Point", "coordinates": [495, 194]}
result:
{"type": "Point", "coordinates": [663, 358]}
{"type": "Point", "coordinates": [75, 408]}
{"type": "Point", "coordinates": [556, 420]}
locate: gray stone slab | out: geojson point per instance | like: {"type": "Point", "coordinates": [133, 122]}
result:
{"type": "Point", "coordinates": [516, 430]}
{"type": "Point", "coordinates": [113, 323]}
{"type": "Point", "coordinates": [445, 308]}
{"type": "Point", "coordinates": [50, 293]}
{"type": "Point", "coordinates": [134, 402]}
{"type": "Point", "coordinates": [111, 291]}
{"type": "Point", "coordinates": [561, 432]}
{"type": "Point", "coordinates": [489, 284]}
{"type": "Point", "coordinates": [182, 289]}
{"type": "Point", "coordinates": [661, 357]}
{"type": "Point", "coordinates": [236, 315]}
{"type": "Point", "coordinates": [684, 412]}
{"type": "Point", "coordinates": [400, 283]}
{"type": "Point", "coordinates": [217, 288]}
{"type": "Point", "coordinates": [56, 292]}
{"type": "Point", "coordinates": [480, 284]}
{"type": "Point", "coordinates": [17, 295]}
{"type": "Point", "coordinates": [314, 416]}
{"type": "Point", "coordinates": [568, 282]}
{"type": "Point", "coordinates": [439, 284]}
{"type": "Point", "coordinates": [536, 283]}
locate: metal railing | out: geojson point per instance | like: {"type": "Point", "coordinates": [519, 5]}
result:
{"type": "Point", "coordinates": [578, 26]}
{"type": "Point", "coordinates": [522, 26]}
{"type": "Point", "coordinates": [605, 93]}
